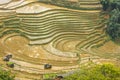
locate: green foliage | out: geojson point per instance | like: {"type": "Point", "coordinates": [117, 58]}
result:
{"type": "Point", "coordinates": [10, 64]}
{"type": "Point", "coordinates": [101, 72]}
{"type": "Point", "coordinates": [105, 4]}
{"type": "Point", "coordinates": [49, 76]}
{"type": "Point", "coordinates": [110, 4]}
{"type": "Point", "coordinates": [113, 28]}
{"type": "Point", "coordinates": [6, 75]}
{"type": "Point", "coordinates": [63, 3]}
{"type": "Point", "coordinates": [110, 72]}
{"type": "Point", "coordinates": [114, 4]}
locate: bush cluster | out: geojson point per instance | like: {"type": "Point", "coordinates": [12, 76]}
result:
{"type": "Point", "coordinates": [101, 72]}
{"type": "Point", "coordinates": [113, 28]}
{"type": "Point", "coordinates": [6, 75]}
{"type": "Point", "coordinates": [110, 4]}
{"type": "Point", "coordinates": [113, 25]}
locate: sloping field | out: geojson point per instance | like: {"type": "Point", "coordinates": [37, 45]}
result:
{"type": "Point", "coordinates": [37, 34]}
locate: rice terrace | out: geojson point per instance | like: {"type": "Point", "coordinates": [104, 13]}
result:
{"type": "Point", "coordinates": [42, 37]}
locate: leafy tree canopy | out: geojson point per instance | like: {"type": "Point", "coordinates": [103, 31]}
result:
{"type": "Point", "coordinates": [101, 72]}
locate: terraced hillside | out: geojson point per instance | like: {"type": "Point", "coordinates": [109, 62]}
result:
{"type": "Point", "coordinates": [36, 34]}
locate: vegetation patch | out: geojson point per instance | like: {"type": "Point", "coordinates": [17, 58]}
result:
{"type": "Point", "coordinates": [113, 25]}
{"type": "Point", "coordinates": [98, 72]}
{"type": "Point", "coordinates": [109, 5]}
{"type": "Point", "coordinates": [63, 3]}
{"type": "Point", "coordinates": [6, 75]}
{"type": "Point", "coordinates": [106, 71]}
{"type": "Point", "coordinates": [113, 28]}
{"type": "Point", "coordinates": [10, 64]}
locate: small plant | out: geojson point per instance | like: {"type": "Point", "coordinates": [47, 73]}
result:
{"type": "Point", "coordinates": [49, 76]}
{"type": "Point", "coordinates": [10, 64]}
{"type": "Point", "coordinates": [6, 75]}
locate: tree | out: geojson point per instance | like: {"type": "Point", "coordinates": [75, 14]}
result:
{"type": "Point", "coordinates": [113, 25]}
{"type": "Point", "coordinates": [105, 4]}
{"type": "Point", "coordinates": [110, 4]}
{"type": "Point", "coordinates": [113, 28]}
{"type": "Point", "coordinates": [114, 4]}
{"type": "Point", "coordinates": [99, 72]}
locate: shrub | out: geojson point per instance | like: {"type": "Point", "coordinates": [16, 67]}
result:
{"type": "Point", "coordinates": [6, 75]}
{"type": "Point", "coordinates": [10, 64]}
{"type": "Point", "coordinates": [99, 72]}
